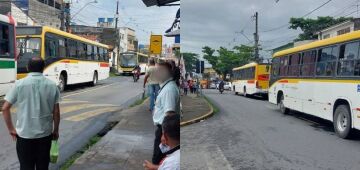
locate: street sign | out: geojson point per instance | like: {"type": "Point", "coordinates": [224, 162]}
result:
{"type": "Point", "coordinates": [156, 44]}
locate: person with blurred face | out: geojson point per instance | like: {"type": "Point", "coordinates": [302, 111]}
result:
{"type": "Point", "coordinates": [170, 144]}
{"type": "Point", "coordinates": [168, 100]}
{"type": "Point", "coordinates": [152, 84]}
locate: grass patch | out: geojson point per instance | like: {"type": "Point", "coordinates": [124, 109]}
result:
{"type": "Point", "coordinates": [138, 102]}
{"type": "Point", "coordinates": [215, 108]}
{"type": "Point", "coordinates": [112, 74]}
{"type": "Point", "coordinates": [92, 141]}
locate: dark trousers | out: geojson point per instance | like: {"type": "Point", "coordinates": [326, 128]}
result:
{"type": "Point", "coordinates": [157, 154]}
{"type": "Point", "coordinates": [34, 153]}
{"type": "Point", "coordinates": [185, 91]}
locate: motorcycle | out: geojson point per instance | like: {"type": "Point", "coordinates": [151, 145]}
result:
{"type": "Point", "coordinates": [221, 89]}
{"type": "Point", "coordinates": [136, 75]}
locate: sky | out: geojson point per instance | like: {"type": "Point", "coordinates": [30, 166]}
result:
{"type": "Point", "coordinates": [132, 13]}
{"type": "Point", "coordinates": [218, 23]}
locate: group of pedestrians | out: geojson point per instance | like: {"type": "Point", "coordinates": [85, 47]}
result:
{"type": "Point", "coordinates": [189, 86]}
{"type": "Point", "coordinates": [165, 108]}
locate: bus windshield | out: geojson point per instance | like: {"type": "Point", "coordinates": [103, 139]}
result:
{"type": "Point", "coordinates": [6, 41]}
{"type": "Point", "coordinates": [27, 48]}
{"type": "Point", "coordinates": [128, 60]}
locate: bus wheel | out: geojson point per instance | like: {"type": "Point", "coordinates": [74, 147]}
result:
{"type": "Point", "coordinates": [283, 109]}
{"type": "Point", "coordinates": [95, 79]}
{"type": "Point", "coordinates": [342, 121]}
{"type": "Point", "coordinates": [62, 83]}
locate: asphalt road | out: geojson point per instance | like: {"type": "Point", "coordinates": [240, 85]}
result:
{"type": "Point", "coordinates": [84, 112]}
{"type": "Point", "coordinates": [250, 133]}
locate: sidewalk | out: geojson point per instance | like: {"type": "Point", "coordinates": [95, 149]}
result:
{"type": "Point", "coordinates": [130, 142]}
{"type": "Point", "coordinates": [194, 109]}
{"type": "Point", "coordinates": [126, 146]}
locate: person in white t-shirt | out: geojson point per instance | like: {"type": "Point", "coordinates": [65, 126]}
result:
{"type": "Point", "coordinates": [170, 144]}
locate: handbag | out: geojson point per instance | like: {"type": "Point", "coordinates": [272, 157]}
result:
{"type": "Point", "coordinates": [54, 151]}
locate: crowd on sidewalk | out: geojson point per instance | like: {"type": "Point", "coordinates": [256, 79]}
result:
{"type": "Point", "coordinates": [38, 115]}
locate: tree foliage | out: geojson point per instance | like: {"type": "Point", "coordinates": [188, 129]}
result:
{"type": "Point", "coordinates": [190, 61]}
{"type": "Point", "coordinates": [226, 60]}
{"type": "Point", "coordinates": [311, 26]}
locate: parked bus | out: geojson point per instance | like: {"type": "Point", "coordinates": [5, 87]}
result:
{"type": "Point", "coordinates": [7, 53]}
{"type": "Point", "coordinates": [69, 59]}
{"type": "Point", "coordinates": [251, 79]}
{"type": "Point", "coordinates": [128, 61]}
{"type": "Point", "coordinates": [321, 79]}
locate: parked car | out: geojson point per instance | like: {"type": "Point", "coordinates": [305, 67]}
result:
{"type": "Point", "coordinates": [227, 86]}
{"type": "Point", "coordinates": [212, 86]}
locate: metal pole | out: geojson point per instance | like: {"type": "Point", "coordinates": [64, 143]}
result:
{"type": "Point", "coordinates": [256, 38]}
{"type": "Point", "coordinates": [62, 17]}
{"type": "Point", "coordinates": [117, 41]}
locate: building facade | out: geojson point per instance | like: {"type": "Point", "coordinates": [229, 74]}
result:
{"type": "Point", "coordinates": [34, 12]}
{"type": "Point", "coordinates": [339, 29]}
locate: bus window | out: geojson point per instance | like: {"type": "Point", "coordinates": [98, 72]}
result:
{"type": "Point", "coordinates": [294, 65]}
{"type": "Point", "coordinates": [348, 55]}
{"type": "Point", "coordinates": [308, 63]}
{"type": "Point", "coordinates": [72, 46]}
{"type": "Point", "coordinates": [101, 54]}
{"type": "Point", "coordinates": [4, 41]}
{"type": "Point", "coordinates": [325, 65]}
{"type": "Point", "coordinates": [106, 55]}
{"type": "Point", "coordinates": [81, 48]}
{"type": "Point", "coordinates": [89, 52]}
{"type": "Point", "coordinates": [275, 67]}
{"type": "Point", "coordinates": [51, 44]}
{"type": "Point", "coordinates": [96, 54]}
{"type": "Point", "coordinates": [62, 48]}
{"type": "Point", "coordinates": [284, 62]}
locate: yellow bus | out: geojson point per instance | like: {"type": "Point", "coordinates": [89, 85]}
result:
{"type": "Point", "coordinates": [322, 79]}
{"type": "Point", "coordinates": [69, 59]}
{"type": "Point", "coordinates": [251, 79]}
{"type": "Point", "coordinates": [128, 61]}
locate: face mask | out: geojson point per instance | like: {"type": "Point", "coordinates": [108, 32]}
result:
{"type": "Point", "coordinates": [164, 148]}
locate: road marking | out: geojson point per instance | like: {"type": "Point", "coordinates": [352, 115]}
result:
{"type": "Point", "coordinates": [85, 91]}
{"type": "Point", "coordinates": [217, 160]}
{"type": "Point", "coordinates": [68, 109]}
{"type": "Point", "coordinates": [73, 101]}
{"type": "Point", "coordinates": [90, 114]}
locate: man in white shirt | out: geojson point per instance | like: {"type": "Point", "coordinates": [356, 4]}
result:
{"type": "Point", "coordinates": [168, 100]}
{"type": "Point", "coordinates": [170, 144]}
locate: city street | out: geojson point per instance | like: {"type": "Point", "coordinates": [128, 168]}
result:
{"type": "Point", "coordinates": [250, 133]}
{"type": "Point", "coordinates": [84, 112]}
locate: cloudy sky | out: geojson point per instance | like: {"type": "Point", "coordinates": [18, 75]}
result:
{"type": "Point", "coordinates": [133, 14]}
{"type": "Point", "coordinates": [219, 22]}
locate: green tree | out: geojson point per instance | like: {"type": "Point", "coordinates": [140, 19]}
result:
{"type": "Point", "coordinates": [190, 60]}
{"type": "Point", "coordinates": [226, 60]}
{"type": "Point", "coordinates": [311, 26]}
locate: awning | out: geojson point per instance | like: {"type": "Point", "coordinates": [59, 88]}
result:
{"type": "Point", "coordinates": [149, 3]}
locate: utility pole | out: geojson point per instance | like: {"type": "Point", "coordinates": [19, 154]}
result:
{"type": "Point", "coordinates": [117, 40]}
{"type": "Point", "coordinates": [67, 16]}
{"type": "Point", "coordinates": [256, 38]}
{"type": "Point", "coordinates": [62, 17]}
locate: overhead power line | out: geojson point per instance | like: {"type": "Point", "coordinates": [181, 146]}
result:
{"type": "Point", "coordinates": [307, 14]}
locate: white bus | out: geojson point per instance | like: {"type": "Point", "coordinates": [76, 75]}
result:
{"type": "Point", "coordinates": [69, 59]}
{"type": "Point", "coordinates": [321, 79]}
{"type": "Point", "coordinates": [7, 53]}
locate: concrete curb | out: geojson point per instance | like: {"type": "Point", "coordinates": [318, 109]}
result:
{"type": "Point", "coordinates": [198, 119]}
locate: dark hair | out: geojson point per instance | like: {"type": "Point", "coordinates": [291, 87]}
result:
{"type": "Point", "coordinates": [171, 126]}
{"type": "Point", "coordinates": [36, 64]}
{"type": "Point", "coordinates": [176, 73]}
{"type": "Point", "coordinates": [167, 66]}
